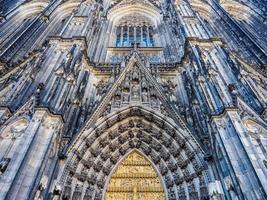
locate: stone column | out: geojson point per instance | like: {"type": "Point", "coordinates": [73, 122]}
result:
{"type": "Point", "coordinates": [128, 36]}
{"type": "Point", "coordinates": [135, 35]}
{"type": "Point", "coordinates": [141, 36]}
{"type": "Point", "coordinates": [148, 40]}
{"type": "Point", "coordinates": [121, 42]}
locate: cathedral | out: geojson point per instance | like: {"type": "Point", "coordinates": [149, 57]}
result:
{"type": "Point", "coordinates": [133, 99]}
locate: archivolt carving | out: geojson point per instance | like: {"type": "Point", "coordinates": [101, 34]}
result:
{"type": "Point", "coordinates": [135, 129]}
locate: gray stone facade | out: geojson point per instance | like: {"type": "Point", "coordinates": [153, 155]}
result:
{"type": "Point", "coordinates": [83, 83]}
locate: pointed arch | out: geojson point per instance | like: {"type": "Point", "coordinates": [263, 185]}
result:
{"type": "Point", "coordinates": [154, 15]}
{"type": "Point", "coordinates": [176, 155]}
{"type": "Point", "coordinates": [131, 19]}
{"type": "Point", "coordinates": [142, 161]}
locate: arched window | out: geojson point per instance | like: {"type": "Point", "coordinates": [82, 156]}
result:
{"type": "Point", "coordinates": [118, 41]}
{"type": "Point", "coordinates": [135, 30]}
{"type": "Point", "coordinates": [143, 36]}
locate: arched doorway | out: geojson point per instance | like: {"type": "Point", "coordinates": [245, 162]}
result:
{"type": "Point", "coordinates": [99, 150]}
{"type": "Point", "coordinates": [134, 179]}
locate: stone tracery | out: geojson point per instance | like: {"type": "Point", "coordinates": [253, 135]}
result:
{"type": "Point", "coordinates": [84, 84]}
{"type": "Point", "coordinates": [135, 29]}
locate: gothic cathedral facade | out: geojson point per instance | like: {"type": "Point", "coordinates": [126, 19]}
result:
{"type": "Point", "coordinates": [133, 100]}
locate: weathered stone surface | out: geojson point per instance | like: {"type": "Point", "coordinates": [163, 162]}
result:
{"type": "Point", "coordinates": [84, 84]}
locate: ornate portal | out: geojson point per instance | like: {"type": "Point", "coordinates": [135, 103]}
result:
{"type": "Point", "coordinates": [133, 100]}
{"type": "Point", "coordinates": [135, 179]}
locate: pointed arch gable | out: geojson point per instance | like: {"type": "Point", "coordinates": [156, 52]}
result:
{"type": "Point", "coordinates": [163, 137]}
{"type": "Point", "coordinates": [135, 60]}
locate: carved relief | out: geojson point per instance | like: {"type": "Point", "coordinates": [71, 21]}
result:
{"type": "Point", "coordinates": [134, 178]}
